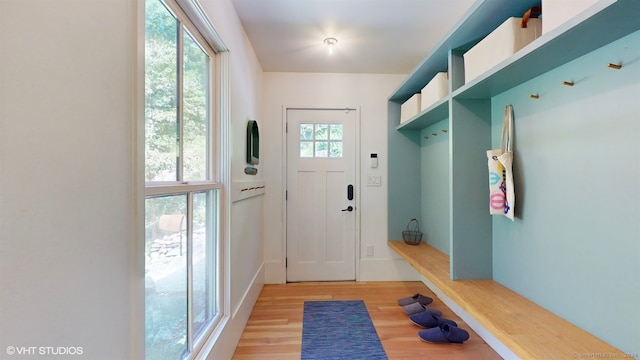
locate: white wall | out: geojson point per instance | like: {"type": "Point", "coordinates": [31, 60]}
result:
{"type": "Point", "coordinates": [369, 92]}
{"type": "Point", "coordinates": [67, 266]}
{"type": "Point", "coordinates": [70, 269]}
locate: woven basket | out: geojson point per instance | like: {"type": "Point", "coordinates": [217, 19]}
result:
{"type": "Point", "coordinates": [412, 234]}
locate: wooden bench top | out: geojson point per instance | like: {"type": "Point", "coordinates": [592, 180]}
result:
{"type": "Point", "coordinates": [527, 329]}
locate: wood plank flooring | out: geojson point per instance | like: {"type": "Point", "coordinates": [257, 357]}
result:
{"type": "Point", "coordinates": [274, 329]}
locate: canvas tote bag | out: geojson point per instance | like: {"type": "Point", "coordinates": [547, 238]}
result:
{"type": "Point", "coordinates": [502, 198]}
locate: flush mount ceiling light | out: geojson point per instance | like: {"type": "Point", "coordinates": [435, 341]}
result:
{"type": "Point", "coordinates": [330, 42]}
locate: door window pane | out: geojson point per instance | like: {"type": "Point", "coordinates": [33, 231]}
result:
{"type": "Point", "coordinates": [335, 149]}
{"type": "Point", "coordinates": [161, 94]}
{"type": "Point", "coordinates": [306, 149]}
{"type": "Point", "coordinates": [335, 131]}
{"type": "Point", "coordinates": [166, 276]}
{"type": "Point", "coordinates": [322, 132]}
{"type": "Point", "coordinates": [306, 131]}
{"type": "Point", "coordinates": [321, 140]}
{"type": "Point", "coordinates": [322, 148]}
{"type": "Point", "coordinates": [195, 117]}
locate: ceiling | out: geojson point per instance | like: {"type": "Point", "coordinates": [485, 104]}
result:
{"type": "Point", "coordinates": [374, 36]}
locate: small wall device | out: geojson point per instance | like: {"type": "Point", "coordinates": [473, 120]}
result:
{"type": "Point", "coordinates": [374, 160]}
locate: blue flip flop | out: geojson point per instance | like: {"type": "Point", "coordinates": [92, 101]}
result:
{"type": "Point", "coordinates": [424, 300]}
{"type": "Point", "coordinates": [444, 334]}
{"type": "Point", "coordinates": [426, 319]}
{"type": "Point", "coordinates": [418, 308]}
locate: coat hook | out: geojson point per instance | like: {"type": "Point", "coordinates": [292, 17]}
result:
{"type": "Point", "coordinates": [568, 83]}
{"type": "Point", "coordinates": [614, 66]}
{"type": "Point", "coordinates": [444, 130]}
{"type": "Point", "coordinates": [434, 134]}
{"type": "Point", "coordinates": [534, 96]}
{"type": "Point", "coordinates": [426, 137]}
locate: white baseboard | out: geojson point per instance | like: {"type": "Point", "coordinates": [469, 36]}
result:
{"type": "Point", "coordinates": [222, 343]}
{"type": "Point", "coordinates": [370, 270]}
{"type": "Point", "coordinates": [485, 334]}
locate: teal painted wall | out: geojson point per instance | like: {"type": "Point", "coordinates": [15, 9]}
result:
{"type": "Point", "coordinates": [575, 245]}
{"type": "Point", "coordinates": [434, 153]}
{"type": "Point", "coordinates": [404, 174]}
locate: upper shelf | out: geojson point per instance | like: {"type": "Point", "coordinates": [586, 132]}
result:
{"type": "Point", "coordinates": [601, 24]}
{"type": "Point", "coordinates": [482, 18]}
{"type": "Point", "coordinates": [433, 114]}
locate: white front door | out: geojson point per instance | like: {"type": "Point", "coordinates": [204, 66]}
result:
{"type": "Point", "coordinates": [321, 194]}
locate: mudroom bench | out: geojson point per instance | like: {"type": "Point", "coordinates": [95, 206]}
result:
{"type": "Point", "coordinates": [524, 328]}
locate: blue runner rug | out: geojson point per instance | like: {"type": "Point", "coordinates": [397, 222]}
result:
{"type": "Point", "coordinates": [339, 330]}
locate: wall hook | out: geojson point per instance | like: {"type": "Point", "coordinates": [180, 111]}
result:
{"type": "Point", "coordinates": [434, 134]}
{"type": "Point", "coordinates": [444, 130]}
{"type": "Point", "coordinates": [534, 96]}
{"type": "Point", "coordinates": [568, 83]}
{"type": "Point", "coordinates": [614, 66]}
{"type": "Point", "coordinates": [426, 137]}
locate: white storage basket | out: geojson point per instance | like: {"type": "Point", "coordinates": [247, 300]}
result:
{"type": "Point", "coordinates": [503, 42]}
{"type": "Point", "coordinates": [557, 12]}
{"type": "Point", "coordinates": [435, 90]}
{"type": "Point", "coordinates": [410, 108]}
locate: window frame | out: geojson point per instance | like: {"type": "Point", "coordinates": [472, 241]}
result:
{"type": "Point", "coordinates": [192, 19]}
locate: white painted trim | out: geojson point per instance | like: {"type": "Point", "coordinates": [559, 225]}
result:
{"type": "Point", "coordinates": [138, 202]}
{"type": "Point", "coordinates": [485, 334]}
{"type": "Point", "coordinates": [283, 214]}
{"type": "Point", "coordinates": [223, 341]}
{"type": "Point", "coordinates": [224, 171]}
{"type": "Point", "coordinates": [358, 192]}
{"type": "Point", "coordinates": [214, 337]}
{"type": "Point", "coordinates": [178, 188]}
{"type": "Point", "coordinates": [285, 108]}
{"type": "Point", "coordinates": [250, 296]}
{"type": "Point", "coordinates": [223, 122]}
{"type": "Point", "coordinates": [201, 21]}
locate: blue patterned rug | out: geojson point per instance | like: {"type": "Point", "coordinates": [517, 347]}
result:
{"type": "Point", "coordinates": [333, 330]}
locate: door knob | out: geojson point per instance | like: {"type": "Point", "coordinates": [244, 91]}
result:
{"type": "Point", "coordinates": [349, 208]}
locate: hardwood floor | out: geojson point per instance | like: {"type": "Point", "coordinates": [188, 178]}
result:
{"type": "Point", "coordinates": [274, 329]}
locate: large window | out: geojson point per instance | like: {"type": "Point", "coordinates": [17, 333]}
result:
{"type": "Point", "coordinates": [182, 185]}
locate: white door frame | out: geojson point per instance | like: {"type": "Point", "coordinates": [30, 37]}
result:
{"type": "Point", "coordinates": [285, 109]}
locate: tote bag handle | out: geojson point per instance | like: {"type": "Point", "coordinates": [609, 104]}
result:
{"type": "Point", "coordinates": [506, 138]}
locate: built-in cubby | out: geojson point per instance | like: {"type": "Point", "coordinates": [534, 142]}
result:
{"type": "Point", "coordinates": [466, 116]}
{"type": "Point", "coordinates": [434, 166]}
